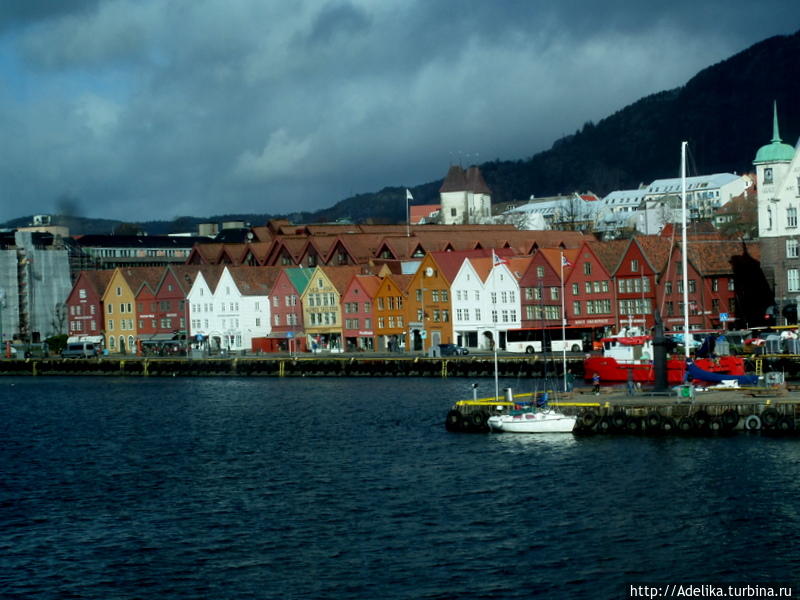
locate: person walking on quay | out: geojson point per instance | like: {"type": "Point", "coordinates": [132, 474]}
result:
{"type": "Point", "coordinates": [631, 386]}
{"type": "Point", "coordinates": [596, 383]}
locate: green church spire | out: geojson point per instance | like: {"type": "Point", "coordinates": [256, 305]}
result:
{"type": "Point", "coordinates": [776, 151]}
{"type": "Point", "coordinates": [776, 136]}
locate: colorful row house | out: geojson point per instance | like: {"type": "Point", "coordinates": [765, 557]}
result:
{"type": "Point", "coordinates": [472, 298]}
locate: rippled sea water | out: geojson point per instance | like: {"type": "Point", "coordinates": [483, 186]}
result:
{"type": "Point", "coordinates": [351, 488]}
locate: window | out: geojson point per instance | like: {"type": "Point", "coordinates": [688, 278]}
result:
{"type": "Point", "coordinates": [587, 268]}
{"type": "Point", "coordinates": [792, 247]}
{"type": "Point", "coordinates": [575, 289]}
{"type": "Point", "coordinates": [791, 216]}
{"type": "Point", "coordinates": [540, 272]}
{"type": "Point", "coordinates": [767, 175]}
{"type": "Point", "coordinates": [554, 293]}
{"type": "Point", "coordinates": [793, 280]}
{"type": "Point", "coordinates": [576, 307]}
{"type": "Point", "coordinates": [715, 284]}
{"type": "Point", "coordinates": [635, 265]}
{"type": "Point", "coordinates": [668, 287]}
{"type": "Point", "coordinates": [692, 286]}
{"type": "Point", "coordinates": [82, 293]}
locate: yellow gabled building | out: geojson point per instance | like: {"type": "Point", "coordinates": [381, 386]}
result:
{"type": "Point", "coordinates": [120, 309]}
{"type": "Point", "coordinates": [322, 306]}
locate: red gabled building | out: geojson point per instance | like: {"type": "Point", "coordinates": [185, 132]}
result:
{"type": "Point", "coordinates": [163, 312]}
{"type": "Point", "coordinates": [286, 311]}
{"type": "Point", "coordinates": [85, 305]}
{"type": "Point", "coordinates": [358, 313]}
{"type": "Point", "coordinates": [541, 287]}
{"type": "Point", "coordinates": [636, 277]}
{"type": "Point", "coordinates": [589, 292]}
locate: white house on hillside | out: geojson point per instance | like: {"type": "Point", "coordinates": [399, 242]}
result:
{"type": "Point", "coordinates": [465, 197]}
{"type": "Point", "coordinates": [704, 193]}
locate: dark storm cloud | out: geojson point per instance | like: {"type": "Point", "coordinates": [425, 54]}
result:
{"type": "Point", "coordinates": [149, 109]}
{"type": "Point", "coordinates": [15, 13]}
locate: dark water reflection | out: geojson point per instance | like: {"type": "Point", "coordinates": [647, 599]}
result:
{"type": "Point", "coordinates": [335, 488]}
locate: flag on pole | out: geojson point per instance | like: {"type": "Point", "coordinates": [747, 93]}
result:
{"type": "Point", "coordinates": [408, 194]}
{"type": "Point", "coordinates": [565, 262]}
{"type": "Point", "coordinates": [498, 260]}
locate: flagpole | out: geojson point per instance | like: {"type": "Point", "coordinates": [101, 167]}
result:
{"type": "Point", "coordinates": [563, 326]}
{"type": "Point", "coordinates": [496, 380]}
{"type": "Point", "coordinates": [408, 213]}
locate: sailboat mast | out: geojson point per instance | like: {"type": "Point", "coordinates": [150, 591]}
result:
{"type": "Point", "coordinates": [563, 326]}
{"type": "Point", "coordinates": [687, 337]}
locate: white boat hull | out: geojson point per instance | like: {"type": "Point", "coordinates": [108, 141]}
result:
{"type": "Point", "coordinates": [540, 422]}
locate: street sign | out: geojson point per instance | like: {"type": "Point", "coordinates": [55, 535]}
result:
{"type": "Point", "coordinates": [723, 317]}
{"type": "Point", "coordinates": [290, 334]}
{"type": "Point", "coordinates": [423, 334]}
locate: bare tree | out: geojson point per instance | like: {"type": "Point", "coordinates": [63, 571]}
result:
{"type": "Point", "coordinates": [58, 317]}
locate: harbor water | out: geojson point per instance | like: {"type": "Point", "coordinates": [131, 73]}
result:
{"type": "Point", "coordinates": [114, 488]}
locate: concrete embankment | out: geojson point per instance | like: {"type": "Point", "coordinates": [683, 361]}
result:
{"type": "Point", "coordinates": [315, 366]}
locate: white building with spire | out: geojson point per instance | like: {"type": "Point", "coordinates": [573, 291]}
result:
{"type": "Point", "coordinates": [778, 181]}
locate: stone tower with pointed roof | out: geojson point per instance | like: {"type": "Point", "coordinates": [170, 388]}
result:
{"type": "Point", "coordinates": [778, 182]}
{"type": "Point", "coordinates": [465, 197]}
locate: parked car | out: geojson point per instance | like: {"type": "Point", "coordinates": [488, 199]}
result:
{"type": "Point", "coordinates": [452, 350]}
{"type": "Point", "coordinates": [79, 350]}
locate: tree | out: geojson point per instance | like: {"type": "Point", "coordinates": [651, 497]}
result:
{"type": "Point", "coordinates": [128, 229]}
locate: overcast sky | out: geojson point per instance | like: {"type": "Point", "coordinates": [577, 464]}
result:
{"type": "Point", "coordinates": [140, 110]}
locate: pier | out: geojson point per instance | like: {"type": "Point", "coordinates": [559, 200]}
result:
{"type": "Point", "coordinates": [685, 411]}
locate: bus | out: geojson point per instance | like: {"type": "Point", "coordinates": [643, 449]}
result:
{"type": "Point", "coordinates": [549, 339]}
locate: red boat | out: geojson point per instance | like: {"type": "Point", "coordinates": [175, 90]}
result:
{"type": "Point", "coordinates": [625, 352]}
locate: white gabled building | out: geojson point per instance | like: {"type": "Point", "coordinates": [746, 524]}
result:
{"type": "Point", "coordinates": [497, 304]}
{"type": "Point", "coordinates": [230, 310]}
{"type": "Point", "coordinates": [469, 314]}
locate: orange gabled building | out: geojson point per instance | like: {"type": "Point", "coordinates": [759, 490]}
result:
{"type": "Point", "coordinates": [390, 311]}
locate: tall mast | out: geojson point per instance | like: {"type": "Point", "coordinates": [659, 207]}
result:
{"type": "Point", "coordinates": [687, 337]}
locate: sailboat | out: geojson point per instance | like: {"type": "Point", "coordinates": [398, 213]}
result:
{"type": "Point", "coordinates": [629, 355]}
{"type": "Point", "coordinates": [535, 416]}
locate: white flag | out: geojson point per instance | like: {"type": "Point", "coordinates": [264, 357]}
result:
{"type": "Point", "coordinates": [408, 194]}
